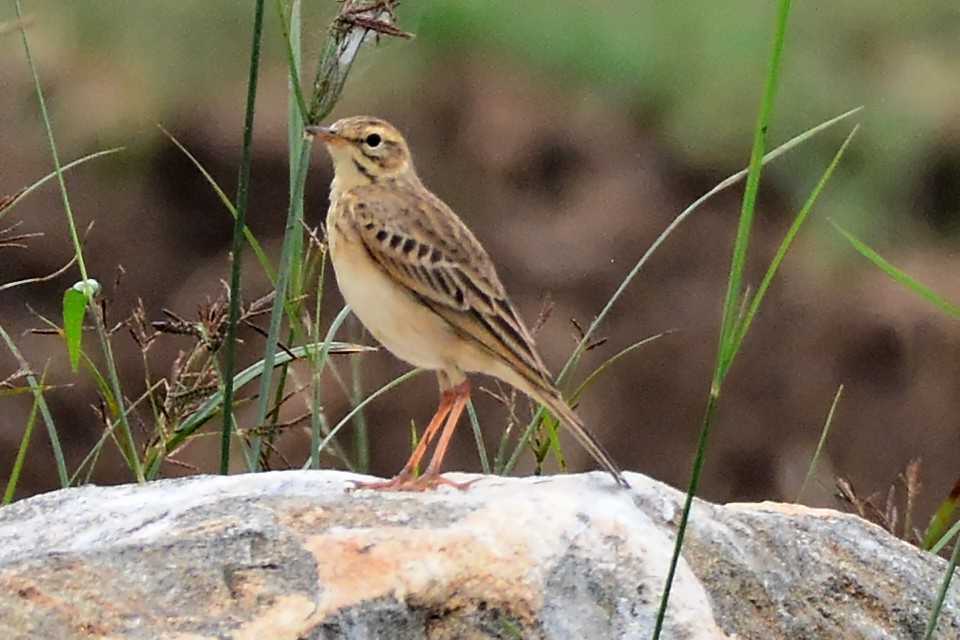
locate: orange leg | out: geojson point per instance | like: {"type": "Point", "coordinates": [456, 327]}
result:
{"type": "Point", "coordinates": [405, 477]}
{"type": "Point", "coordinates": [447, 403]}
{"type": "Point", "coordinates": [431, 478]}
{"type": "Point", "coordinates": [452, 403]}
{"type": "Point", "coordinates": [461, 395]}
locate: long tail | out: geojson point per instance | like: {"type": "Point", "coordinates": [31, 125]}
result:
{"type": "Point", "coordinates": [551, 399]}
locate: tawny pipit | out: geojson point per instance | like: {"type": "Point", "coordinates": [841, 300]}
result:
{"type": "Point", "coordinates": [425, 288]}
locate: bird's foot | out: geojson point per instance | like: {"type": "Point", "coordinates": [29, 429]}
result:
{"type": "Point", "coordinates": [409, 482]}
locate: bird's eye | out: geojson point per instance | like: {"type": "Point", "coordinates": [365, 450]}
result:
{"type": "Point", "coordinates": [373, 140]}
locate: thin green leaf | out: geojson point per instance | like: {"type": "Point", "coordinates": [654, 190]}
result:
{"type": "Point", "coordinates": [945, 539]}
{"type": "Point", "coordinates": [37, 389]}
{"type": "Point", "coordinates": [239, 227]}
{"type": "Point", "coordinates": [553, 442]}
{"type": "Point", "coordinates": [942, 595]}
{"type": "Point", "coordinates": [290, 30]}
{"type": "Point", "coordinates": [212, 405]}
{"type": "Point", "coordinates": [22, 450]}
{"type": "Point", "coordinates": [52, 175]}
{"type": "Point", "coordinates": [74, 310]}
{"type": "Point", "coordinates": [114, 393]}
{"type": "Point", "coordinates": [590, 379]}
{"type": "Point", "coordinates": [318, 418]}
{"type": "Point", "coordinates": [89, 461]}
{"type": "Point", "coordinates": [686, 213]}
{"type": "Point", "coordinates": [478, 437]}
{"type": "Point", "coordinates": [251, 239]}
{"type": "Point", "coordinates": [373, 396]}
{"type": "Point", "coordinates": [573, 399]}
{"type": "Point", "coordinates": [747, 319]}
{"type": "Point", "coordinates": [936, 536]}
{"type": "Point", "coordinates": [821, 442]}
{"type": "Point", "coordinates": [48, 130]}
{"type": "Point", "coordinates": [318, 365]}
{"type": "Point", "coordinates": [727, 340]}
{"type": "Point", "coordinates": [289, 256]}
{"type": "Point", "coordinates": [898, 275]}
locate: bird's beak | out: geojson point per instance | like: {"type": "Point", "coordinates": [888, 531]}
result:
{"type": "Point", "coordinates": [326, 135]}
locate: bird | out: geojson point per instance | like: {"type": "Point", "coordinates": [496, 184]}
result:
{"type": "Point", "coordinates": [422, 284]}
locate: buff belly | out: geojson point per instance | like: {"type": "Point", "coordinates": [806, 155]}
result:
{"type": "Point", "coordinates": [401, 323]}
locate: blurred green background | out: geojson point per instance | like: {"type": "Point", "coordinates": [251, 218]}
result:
{"type": "Point", "coordinates": [568, 134]}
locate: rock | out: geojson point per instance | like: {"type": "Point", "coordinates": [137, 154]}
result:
{"type": "Point", "coordinates": [291, 555]}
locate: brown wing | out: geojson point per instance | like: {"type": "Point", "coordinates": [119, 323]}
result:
{"type": "Point", "coordinates": [419, 241]}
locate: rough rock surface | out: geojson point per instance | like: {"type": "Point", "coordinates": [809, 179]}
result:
{"type": "Point", "coordinates": [291, 555]}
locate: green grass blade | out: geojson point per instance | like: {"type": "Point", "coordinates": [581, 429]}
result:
{"type": "Point", "coordinates": [48, 130]}
{"type": "Point", "coordinates": [541, 415]}
{"type": "Point", "coordinates": [291, 31]}
{"type": "Point", "coordinates": [898, 275]}
{"type": "Point", "coordinates": [318, 421]}
{"type": "Point", "coordinates": [596, 373]}
{"type": "Point", "coordinates": [113, 395]}
{"type": "Point", "coordinates": [296, 120]}
{"type": "Point", "coordinates": [320, 362]}
{"type": "Point", "coordinates": [74, 309]}
{"type": "Point", "coordinates": [292, 239]}
{"type": "Point", "coordinates": [93, 455]}
{"type": "Point", "coordinates": [211, 407]}
{"type": "Point", "coordinates": [251, 239]}
{"type": "Point", "coordinates": [743, 325]}
{"type": "Point", "coordinates": [293, 248]}
{"type": "Point", "coordinates": [952, 533]}
{"type": "Point", "coordinates": [935, 538]}
{"type": "Point", "coordinates": [345, 420]}
{"type": "Point", "coordinates": [820, 443]}
{"type": "Point", "coordinates": [37, 390]}
{"type": "Point", "coordinates": [791, 144]}
{"type": "Point", "coordinates": [52, 175]}
{"type": "Point", "coordinates": [22, 450]}
{"type": "Point", "coordinates": [942, 595]}
{"type": "Point", "coordinates": [478, 437]}
{"type": "Point", "coordinates": [361, 429]}
{"type": "Point", "coordinates": [240, 224]}
{"type": "Point", "coordinates": [748, 208]}
{"type": "Point", "coordinates": [727, 340]}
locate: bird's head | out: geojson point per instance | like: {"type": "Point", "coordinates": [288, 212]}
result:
{"type": "Point", "coordinates": [365, 150]}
